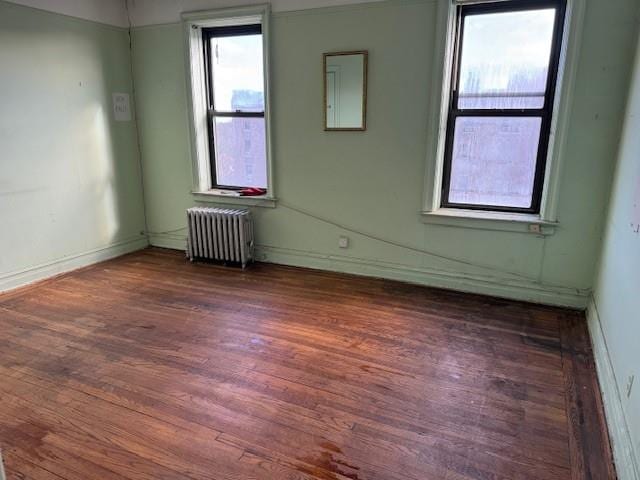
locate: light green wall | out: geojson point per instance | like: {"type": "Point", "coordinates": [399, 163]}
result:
{"type": "Point", "coordinates": [373, 181]}
{"type": "Point", "coordinates": [70, 185]}
{"type": "Point", "coordinates": [615, 312]}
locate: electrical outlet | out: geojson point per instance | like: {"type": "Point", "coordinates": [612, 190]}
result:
{"type": "Point", "coordinates": [630, 385]}
{"type": "Point", "coordinates": [535, 228]}
{"type": "Point", "coordinates": [343, 242]}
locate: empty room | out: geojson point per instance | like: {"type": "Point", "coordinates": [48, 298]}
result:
{"type": "Point", "coordinates": [319, 239]}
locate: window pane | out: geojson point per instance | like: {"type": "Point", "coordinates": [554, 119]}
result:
{"type": "Point", "coordinates": [238, 81]}
{"type": "Point", "coordinates": [505, 59]}
{"type": "Point", "coordinates": [494, 161]}
{"type": "Point", "coordinates": [241, 159]}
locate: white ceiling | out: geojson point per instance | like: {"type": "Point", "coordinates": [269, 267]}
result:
{"type": "Point", "coordinates": [156, 12]}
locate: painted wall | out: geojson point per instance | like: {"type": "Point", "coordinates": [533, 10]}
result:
{"type": "Point", "coordinates": [373, 181]}
{"type": "Point", "coordinates": [70, 187]}
{"type": "Point", "coordinates": [156, 12]}
{"type": "Point", "coordinates": [111, 12]}
{"type": "Point", "coordinates": [614, 315]}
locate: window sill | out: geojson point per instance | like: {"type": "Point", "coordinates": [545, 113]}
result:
{"type": "Point", "coordinates": [257, 201]}
{"type": "Point", "coordinates": [499, 221]}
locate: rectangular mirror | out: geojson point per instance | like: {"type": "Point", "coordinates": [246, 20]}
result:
{"type": "Point", "coordinates": [345, 91]}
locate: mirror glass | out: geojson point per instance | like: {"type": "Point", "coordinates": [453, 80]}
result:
{"type": "Point", "coordinates": [345, 90]}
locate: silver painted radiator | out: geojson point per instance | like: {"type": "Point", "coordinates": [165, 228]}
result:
{"type": "Point", "coordinates": [220, 234]}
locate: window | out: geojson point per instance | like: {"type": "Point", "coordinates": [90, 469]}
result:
{"type": "Point", "coordinates": [227, 53]}
{"type": "Point", "coordinates": [236, 105]}
{"type": "Point", "coordinates": [505, 67]}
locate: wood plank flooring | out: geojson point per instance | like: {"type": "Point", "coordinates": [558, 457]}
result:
{"type": "Point", "coordinates": [149, 367]}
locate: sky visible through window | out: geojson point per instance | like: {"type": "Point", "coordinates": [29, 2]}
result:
{"type": "Point", "coordinates": [506, 53]}
{"type": "Point", "coordinates": [237, 65]}
{"type": "Point", "coordinates": [238, 84]}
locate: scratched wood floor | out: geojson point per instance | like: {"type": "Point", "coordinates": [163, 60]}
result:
{"type": "Point", "coordinates": [148, 367]}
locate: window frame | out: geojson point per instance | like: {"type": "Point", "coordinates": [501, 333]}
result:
{"type": "Point", "coordinates": [545, 113]}
{"type": "Point", "coordinates": [203, 188]}
{"type": "Point", "coordinates": [207, 34]}
{"type": "Point", "coordinates": [546, 222]}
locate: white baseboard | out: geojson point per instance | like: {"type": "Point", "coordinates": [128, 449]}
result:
{"type": "Point", "coordinates": [2, 475]}
{"type": "Point", "coordinates": [464, 282]}
{"type": "Point", "coordinates": [505, 288]}
{"type": "Point", "coordinates": [11, 280]}
{"type": "Point", "coordinates": [171, 241]}
{"type": "Point", "coordinates": [623, 453]}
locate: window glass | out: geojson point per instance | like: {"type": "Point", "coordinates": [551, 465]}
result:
{"type": "Point", "coordinates": [505, 59]}
{"type": "Point", "coordinates": [241, 152]}
{"type": "Point", "coordinates": [237, 73]}
{"type": "Point", "coordinates": [237, 124]}
{"type": "Point", "coordinates": [494, 160]}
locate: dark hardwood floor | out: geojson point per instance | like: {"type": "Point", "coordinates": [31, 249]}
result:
{"type": "Point", "coordinates": [148, 367]}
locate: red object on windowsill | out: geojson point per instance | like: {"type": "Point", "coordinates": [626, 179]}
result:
{"type": "Point", "coordinates": [253, 192]}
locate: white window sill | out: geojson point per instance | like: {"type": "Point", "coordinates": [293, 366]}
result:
{"type": "Point", "coordinates": [481, 220]}
{"type": "Point", "coordinates": [257, 201]}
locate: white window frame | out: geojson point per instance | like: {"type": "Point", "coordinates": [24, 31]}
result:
{"type": "Point", "coordinates": [193, 23]}
{"type": "Point", "coordinates": [544, 222]}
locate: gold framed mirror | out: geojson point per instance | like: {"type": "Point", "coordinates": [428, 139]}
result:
{"type": "Point", "coordinates": [345, 91]}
